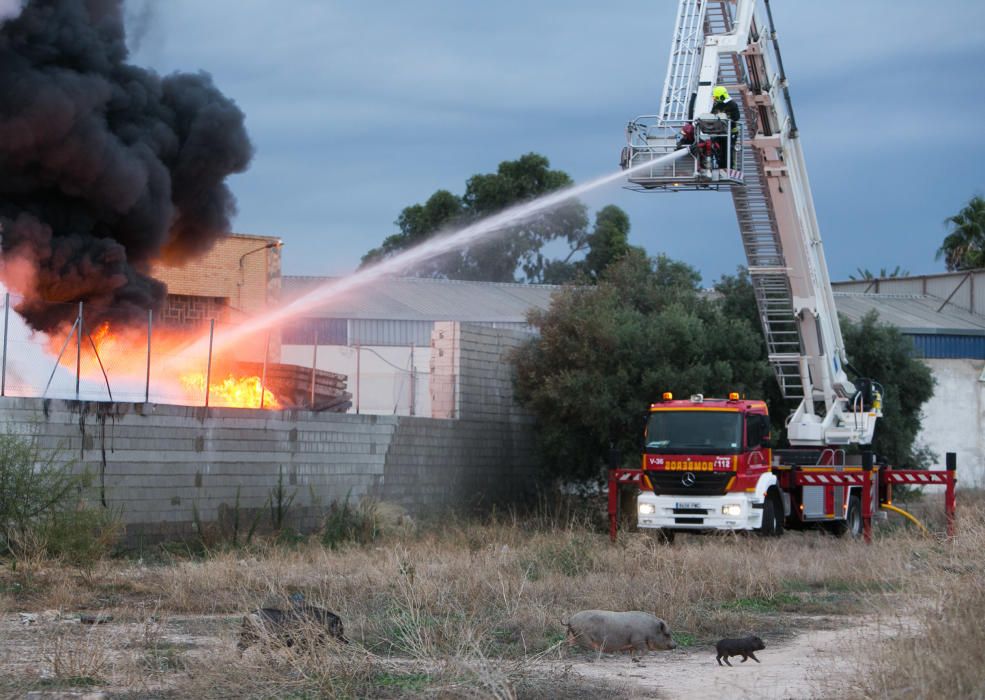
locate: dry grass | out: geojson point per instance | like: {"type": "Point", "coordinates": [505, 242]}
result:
{"type": "Point", "coordinates": [466, 609]}
{"type": "Point", "coordinates": [943, 654]}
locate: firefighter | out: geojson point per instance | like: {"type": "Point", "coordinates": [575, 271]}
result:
{"type": "Point", "coordinates": [724, 104]}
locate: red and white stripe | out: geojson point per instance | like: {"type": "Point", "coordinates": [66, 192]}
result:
{"type": "Point", "coordinates": [830, 479]}
{"type": "Point", "coordinates": [916, 477]}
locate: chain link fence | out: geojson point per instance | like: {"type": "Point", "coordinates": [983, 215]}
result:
{"type": "Point", "coordinates": [156, 361]}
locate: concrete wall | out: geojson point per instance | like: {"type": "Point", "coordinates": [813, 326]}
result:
{"type": "Point", "coordinates": [483, 442]}
{"type": "Point", "coordinates": [160, 464]}
{"type": "Point", "coordinates": [954, 418]}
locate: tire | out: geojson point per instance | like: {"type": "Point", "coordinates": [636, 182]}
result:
{"type": "Point", "coordinates": [772, 516]}
{"type": "Point", "coordinates": [852, 524]}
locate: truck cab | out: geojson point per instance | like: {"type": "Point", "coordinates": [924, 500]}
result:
{"type": "Point", "coordinates": [706, 466]}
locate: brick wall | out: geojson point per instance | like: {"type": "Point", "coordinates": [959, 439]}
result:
{"type": "Point", "coordinates": [188, 311]}
{"type": "Point", "coordinates": [237, 279]}
{"type": "Point", "coordinates": [238, 268]}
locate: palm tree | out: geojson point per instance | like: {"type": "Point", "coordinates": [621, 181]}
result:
{"type": "Point", "coordinates": [867, 274]}
{"type": "Point", "coordinates": [964, 246]}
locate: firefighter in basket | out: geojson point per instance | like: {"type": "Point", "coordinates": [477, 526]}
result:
{"type": "Point", "coordinates": [724, 104]}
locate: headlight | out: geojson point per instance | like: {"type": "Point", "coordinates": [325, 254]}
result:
{"type": "Point", "coordinates": [647, 509]}
{"type": "Point", "coordinates": [733, 509]}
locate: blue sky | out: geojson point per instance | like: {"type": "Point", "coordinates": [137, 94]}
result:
{"type": "Point", "coordinates": [358, 109]}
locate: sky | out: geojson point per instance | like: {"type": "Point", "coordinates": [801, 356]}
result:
{"type": "Point", "coordinates": [359, 109]}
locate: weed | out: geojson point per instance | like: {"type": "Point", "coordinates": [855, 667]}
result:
{"type": "Point", "coordinates": [346, 523]}
{"type": "Point", "coordinates": [280, 502]}
{"type": "Point", "coordinates": [402, 681]}
{"type": "Point", "coordinates": [684, 639]}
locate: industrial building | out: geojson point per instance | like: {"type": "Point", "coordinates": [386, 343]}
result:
{"type": "Point", "coordinates": [379, 336]}
{"type": "Point", "coordinates": [238, 278]}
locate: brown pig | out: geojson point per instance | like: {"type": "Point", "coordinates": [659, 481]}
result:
{"type": "Point", "coordinates": [608, 631]}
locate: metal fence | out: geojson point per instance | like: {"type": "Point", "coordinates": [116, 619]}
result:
{"type": "Point", "coordinates": [151, 359]}
{"type": "Point", "coordinates": [146, 360]}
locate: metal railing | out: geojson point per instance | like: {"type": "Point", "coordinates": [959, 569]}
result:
{"type": "Point", "coordinates": [649, 138]}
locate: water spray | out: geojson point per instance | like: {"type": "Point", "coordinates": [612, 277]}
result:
{"type": "Point", "coordinates": [428, 250]}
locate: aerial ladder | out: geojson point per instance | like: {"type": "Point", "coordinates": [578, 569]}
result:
{"type": "Point", "coordinates": [741, 483]}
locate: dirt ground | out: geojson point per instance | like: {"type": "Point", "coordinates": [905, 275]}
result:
{"type": "Point", "coordinates": [805, 665]}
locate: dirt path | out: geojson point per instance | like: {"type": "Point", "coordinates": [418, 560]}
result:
{"type": "Point", "coordinates": [794, 668]}
{"type": "Point", "coordinates": [797, 668]}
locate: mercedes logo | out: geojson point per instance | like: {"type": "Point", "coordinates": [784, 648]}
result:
{"type": "Point", "coordinates": [689, 479]}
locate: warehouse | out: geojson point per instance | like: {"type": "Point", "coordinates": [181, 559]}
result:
{"type": "Point", "coordinates": [380, 336]}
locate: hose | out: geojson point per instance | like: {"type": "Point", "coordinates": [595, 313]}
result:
{"type": "Point", "coordinates": [906, 515]}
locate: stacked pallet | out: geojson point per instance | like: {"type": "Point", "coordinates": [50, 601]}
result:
{"type": "Point", "coordinates": [291, 385]}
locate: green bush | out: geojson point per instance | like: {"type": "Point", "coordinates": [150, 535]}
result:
{"type": "Point", "coordinates": [347, 523]}
{"type": "Point", "coordinates": [42, 508]}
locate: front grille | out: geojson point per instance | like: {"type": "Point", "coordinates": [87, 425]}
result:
{"type": "Point", "coordinates": [705, 483]}
{"type": "Point", "coordinates": [689, 521]}
{"type": "Point", "coordinates": [690, 511]}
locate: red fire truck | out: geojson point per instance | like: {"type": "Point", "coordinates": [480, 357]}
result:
{"type": "Point", "coordinates": [707, 463]}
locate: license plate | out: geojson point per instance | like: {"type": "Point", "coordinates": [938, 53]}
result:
{"type": "Point", "coordinates": [687, 505]}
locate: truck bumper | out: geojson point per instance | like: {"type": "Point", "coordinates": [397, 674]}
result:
{"type": "Point", "coordinates": [733, 511]}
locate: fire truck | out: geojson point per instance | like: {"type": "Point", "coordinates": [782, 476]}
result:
{"type": "Point", "coordinates": [707, 464]}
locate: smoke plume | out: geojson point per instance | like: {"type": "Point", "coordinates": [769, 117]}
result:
{"type": "Point", "coordinates": [105, 167]}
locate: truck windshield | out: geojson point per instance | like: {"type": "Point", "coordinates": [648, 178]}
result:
{"type": "Point", "coordinates": [694, 432]}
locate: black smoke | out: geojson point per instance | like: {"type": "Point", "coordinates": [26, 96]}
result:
{"type": "Point", "coordinates": [105, 167]}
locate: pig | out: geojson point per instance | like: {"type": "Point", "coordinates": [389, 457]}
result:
{"type": "Point", "coordinates": [739, 647]}
{"type": "Point", "coordinates": [293, 627]}
{"type": "Point", "coordinates": [608, 631]}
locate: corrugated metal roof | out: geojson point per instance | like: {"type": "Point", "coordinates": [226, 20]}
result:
{"type": "Point", "coordinates": [964, 289]}
{"type": "Point", "coordinates": [915, 314]}
{"type": "Point", "coordinates": [424, 299]}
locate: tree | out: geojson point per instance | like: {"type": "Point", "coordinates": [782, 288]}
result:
{"type": "Point", "coordinates": [964, 247]}
{"type": "Point", "coordinates": [608, 242]}
{"type": "Point", "coordinates": [876, 350]}
{"type": "Point", "coordinates": [605, 352]}
{"type": "Point", "coordinates": [881, 352]}
{"type": "Point", "coordinates": [517, 250]}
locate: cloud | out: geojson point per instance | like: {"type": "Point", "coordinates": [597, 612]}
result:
{"type": "Point", "coordinates": [360, 109]}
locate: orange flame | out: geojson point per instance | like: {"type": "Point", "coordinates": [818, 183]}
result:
{"type": "Point", "coordinates": [122, 354]}
{"type": "Point", "coordinates": [244, 392]}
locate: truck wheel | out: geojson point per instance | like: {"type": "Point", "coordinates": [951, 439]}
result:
{"type": "Point", "coordinates": [772, 516]}
{"type": "Point", "coordinates": [852, 524]}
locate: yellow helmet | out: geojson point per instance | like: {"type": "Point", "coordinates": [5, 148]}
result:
{"type": "Point", "coordinates": [719, 94]}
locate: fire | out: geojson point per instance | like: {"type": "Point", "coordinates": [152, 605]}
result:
{"type": "Point", "coordinates": [244, 392]}
{"type": "Point", "coordinates": [119, 356]}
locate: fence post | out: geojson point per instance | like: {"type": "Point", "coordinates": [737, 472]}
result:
{"type": "Point", "coordinates": [208, 367]}
{"type": "Point", "coordinates": [263, 372]}
{"type": "Point", "coordinates": [314, 366]}
{"type": "Point", "coordinates": [867, 460]}
{"type": "Point", "coordinates": [150, 330]}
{"type": "Point", "coordinates": [78, 355]}
{"type": "Point", "coordinates": [6, 319]}
{"type": "Point", "coordinates": [952, 466]}
{"type": "Point", "coordinates": [357, 378]}
{"type": "Point", "coordinates": [413, 382]}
